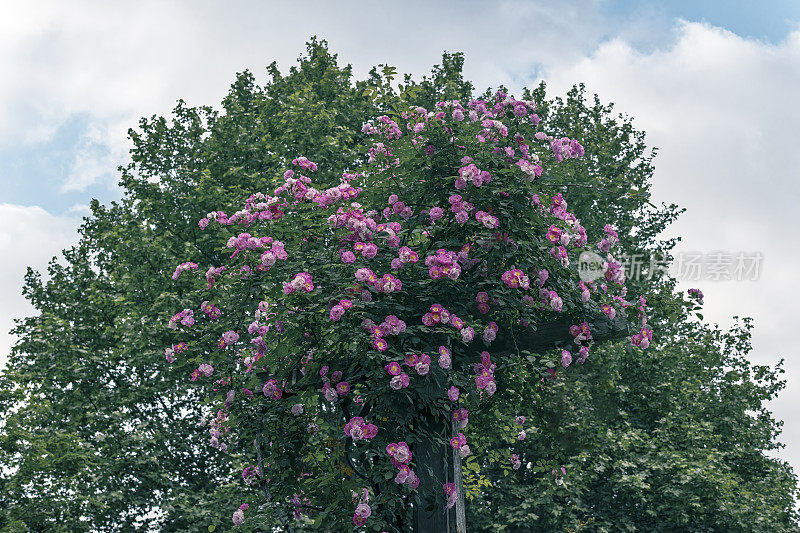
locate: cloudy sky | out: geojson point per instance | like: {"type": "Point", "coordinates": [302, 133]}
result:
{"type": "Point", "coordinates": [713, 83]}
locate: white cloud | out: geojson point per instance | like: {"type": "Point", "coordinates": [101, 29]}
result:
{"type": "Point", "coordinates": [81, 209]}
{"type": "Point", "coordinates": [115, 62]}
{"type": "Point", "coordinates": [29, 236]}
{"type": "Point", "coordinates": [99, 152]}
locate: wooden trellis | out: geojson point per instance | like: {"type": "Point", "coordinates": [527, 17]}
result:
{"type": "Point", "coordinates": [437, 463]}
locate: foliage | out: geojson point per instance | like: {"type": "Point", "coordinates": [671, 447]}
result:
{"type": "Point", "coordinates": [673, 441]}
{"type": "Point", "coordinates": [98, 434]}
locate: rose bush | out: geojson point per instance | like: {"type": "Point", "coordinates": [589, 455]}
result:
{"type": "Point", "coordinates": [353, 302]}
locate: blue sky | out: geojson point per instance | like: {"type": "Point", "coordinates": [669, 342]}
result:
{"type": "Point", "coordinates": [712, 83]}
{"type": "Point", "coordinates": [34, 174]}
{"type": "Point", "coordinates": [769, 21]}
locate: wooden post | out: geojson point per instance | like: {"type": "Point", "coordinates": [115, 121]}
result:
{"type": "Point", "coordinates": [458, 479]}
{"type": "Point", "coordinates": [430, 458]}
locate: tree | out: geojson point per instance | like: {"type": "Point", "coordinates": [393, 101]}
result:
{"type": "Point", "coordinates": [95, 435]}
{"type": "Point", "coordinates": [665, 443]}
{"type": "Point", "coordinates": [643, 437]}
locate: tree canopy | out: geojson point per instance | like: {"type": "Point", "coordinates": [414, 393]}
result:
{"type": "Point", "coordinates": [99, 434]}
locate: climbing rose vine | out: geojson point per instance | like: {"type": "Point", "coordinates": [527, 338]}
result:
{"type": "Point", "coordinates": [344, 305]}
